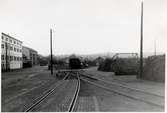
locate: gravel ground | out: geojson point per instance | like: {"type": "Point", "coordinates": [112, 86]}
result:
{"type": "Point", "coordinates": [130, 81]}
{"type": "Point", "coordinates": [85, 101]}
{"type": "Point", "coordinates": [21, 85]}
{"type": "Point", "coordinates": [92, 98]}
{"type": "Point", "coordinates": [60, 99]}
{"type": "Point", "coordinates": [21, 88]}
{"type": "Point", "coordinates": [131, 93]}
{"type": "Point", "coordinates": [109, 101]}
{"type": "Point", "coordinates": [18, 93]}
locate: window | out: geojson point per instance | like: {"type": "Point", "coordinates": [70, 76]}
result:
{"type": "Point", "coordinates": [14, 49]}
{"type": "Point", "coordinates": [3, 57]}
{"type": "Point", "coordinates": [17, 58]}
{"type": "Point", "coordinates": [14, 42]}
{"type": "Point", "coordinates": [11, 58]}
{"type": "Point", "coordinates": [2, 38]}
{"type": "Point", "coordinates": [2, 45]}
{"type": "Point", "coordinates": [8, 47]}
{"type": "Point", "coordinates": [20, 58]}
{"type": "Point", "coordinates": [7, 58]}
{"type": "Point", "coordinates": [3, 65]}
{"type": "Point", "coordinates": [14, 58]}
{"type": "Point", "coordinates": [11, 48]}
{"type": "Point", "coordinates": [10, 40]}
{"type": "Point", "coordinates": [20, 50]}
{"type": "Point", "coordinates": [17, 50]}
{"type": "Point", "coordinates": [6, 39]}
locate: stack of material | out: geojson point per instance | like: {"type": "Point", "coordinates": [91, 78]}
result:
{"type": "Point", "coordinates": [121, 66]}
{"type": "Point", "coordinates": [154, 68]}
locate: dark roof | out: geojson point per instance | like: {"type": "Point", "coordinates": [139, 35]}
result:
{"type": "Point", "coordinates": [29, 48]}
{"type": "Point", "coordinates": [11, 37]}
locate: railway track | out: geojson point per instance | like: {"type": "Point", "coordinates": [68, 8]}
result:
{"type": "Point", "coordinates": [132, 93]}
{"type": "Point", "coordinates": [73, 102]}
{"type": "Point", "coordinates": [119, 84]}
{"type": "Point", "coordinates": [64, 93]}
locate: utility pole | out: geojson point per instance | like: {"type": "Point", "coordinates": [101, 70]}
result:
{"type": "Point", "coordinates": [6, 47]}
{"type": "Point", "coordinates": [141, 43]}
{"type": "Point", "coordinates": [155, 47]}
{"type": "Point", "coordinates": [51, 60]}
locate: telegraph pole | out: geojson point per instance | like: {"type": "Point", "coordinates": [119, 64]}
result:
{"type": "Point", "coordinates": [6, 56]}
{"type": "Point", "coordinates": [51, 60]}
{"type": "Point", "coordinates": [141, 43]}
{"type": "Point", "coordinates": [155, 47]}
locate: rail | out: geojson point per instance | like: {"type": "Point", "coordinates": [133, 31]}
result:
{"type": "Point", "coordinates": [75, 96]}
{"type": "Point", "coordinates": [124, 91]}
{"type": "Point", "coordinates": [48, 92]}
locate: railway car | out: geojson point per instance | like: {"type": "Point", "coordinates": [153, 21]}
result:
{"type": "Point", "coordinates": [75, 63]}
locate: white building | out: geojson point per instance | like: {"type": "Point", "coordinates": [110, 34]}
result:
{"type": "Point", "coordinates": [11, 52]}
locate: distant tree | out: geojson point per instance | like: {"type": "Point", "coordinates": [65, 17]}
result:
{"type": "Point", "coordinates": [43, 60]}
{"type": "Point", "coordinates": [99, 60]}
{"type": "Point", "coordinates": [106, 65]}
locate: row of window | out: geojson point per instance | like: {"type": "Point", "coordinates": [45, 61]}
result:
{"type": "Point", "coordinates": [11, 41]}
{"type": "Point", "coordinates": [11, 58]}
{"type": "Point", "coordinates": [11, 48]}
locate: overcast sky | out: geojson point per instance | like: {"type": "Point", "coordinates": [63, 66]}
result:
{"type": "Point", "coordinates": [85, 26]}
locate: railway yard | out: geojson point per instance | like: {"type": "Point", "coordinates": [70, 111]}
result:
{"type": "Point", "coordinates": [36, 90]}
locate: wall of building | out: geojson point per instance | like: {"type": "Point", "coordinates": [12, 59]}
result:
{"type": "Point", "coordinates": [11, 52]}
{"type": "Point", "coordinates": [26, 52]}
{"type": "Point", "coordinates": [31, 56]}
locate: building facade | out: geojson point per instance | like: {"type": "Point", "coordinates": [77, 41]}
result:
{"type": "Point", "coordinates": [30, 57]}
{"type": "Point", "coordinates": [11, 52]}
